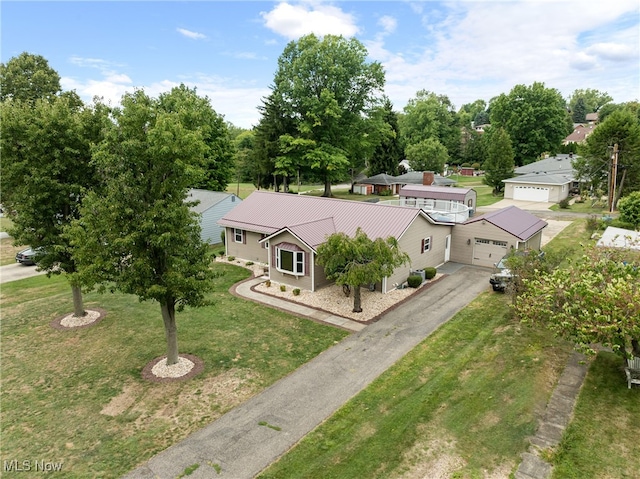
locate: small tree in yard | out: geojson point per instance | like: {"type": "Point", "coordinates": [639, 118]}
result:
{"type": "Point", "coordinates": [138, 235]}
{"type": "Point", "coordinates": [358, 260]}
{"type": "Point", "coordinates": [592, 301]}
{"type": "Point", "coordinates": [629, 207]}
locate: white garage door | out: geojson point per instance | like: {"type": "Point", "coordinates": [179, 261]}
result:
{"type": "Point", "coordinates": [531, 193]}
{"type": "Point", "coordinates": [488, 252]}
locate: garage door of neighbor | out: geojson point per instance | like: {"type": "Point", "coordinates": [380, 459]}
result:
{"type": "Point", "coordinates": [531, 193]}
{"type": "Point", "coordinates": [488, 252]}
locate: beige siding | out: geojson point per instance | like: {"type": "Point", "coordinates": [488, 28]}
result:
{"type": "Point", "coordinates": [464, 238]}
{"type": "Point", "coordinates": [411, 243]}
{"type": "Point", "coordinates": [249, 250]}
{"type": "Point", "coordinates": [302, 282]}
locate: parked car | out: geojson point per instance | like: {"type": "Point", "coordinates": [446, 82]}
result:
{"type": "Point", "coordinates": [27, 256]}
{"type": "Point", "coordinates": [502, 276]}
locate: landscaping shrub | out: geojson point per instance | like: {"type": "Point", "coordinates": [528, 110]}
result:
{"type": "Point", "coordinates": [249, 263]}
{"type": "Point", "coordinates": [430, 273]}
{"type": "Point", "coordinates": [267, 283]}
{"type": "Point", "coordinates": [414, 281]}
{"type": "Point", "coordinates": [231, 258]}
{"type": "Point", "coordinates": [296, 291]}
{"type": "Point", "coordinates": [593, 224]}
{"type": "Point", "coordinates": [564, 203]}
{"type": "Point", "coordinates": [283, 287]}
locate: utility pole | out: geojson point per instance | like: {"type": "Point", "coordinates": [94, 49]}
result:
{"type": "Point", "coordinates": [612, 178]}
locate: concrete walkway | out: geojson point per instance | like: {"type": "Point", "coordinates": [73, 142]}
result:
{"type": "Point", "coordinates": [240, 444]}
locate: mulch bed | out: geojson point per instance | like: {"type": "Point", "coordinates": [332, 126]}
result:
{"type": "Point", "coordinates": [198, 367]}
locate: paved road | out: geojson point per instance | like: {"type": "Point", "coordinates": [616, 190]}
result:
{"type": "Point", "coordinates": [17, 271]}
{"type": "Point", "coordinates": [304, 399]}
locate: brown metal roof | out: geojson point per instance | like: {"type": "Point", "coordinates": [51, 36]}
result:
{"type": "Point", "coordinates": [313, 218]}
{"type": "Point", "coordinates": [434, 192]}
{"type": "Point", "coordinates": [521, 224]}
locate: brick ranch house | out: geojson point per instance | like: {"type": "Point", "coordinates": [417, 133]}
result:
{"type": "Point", "coordinates": [284, 231]}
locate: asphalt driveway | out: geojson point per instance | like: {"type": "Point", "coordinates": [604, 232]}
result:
{"type": "Point", "coordinates": [296, 404]}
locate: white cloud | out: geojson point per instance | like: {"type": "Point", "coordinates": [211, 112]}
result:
{"type": "Point", "coordinates": [612, 51]}
{"type": "Point", "coordinates": [295, 21]}
{"type": "Point", "coordinates": [190, 34]}
{"type": "Point", "coordinates": [388, 24]}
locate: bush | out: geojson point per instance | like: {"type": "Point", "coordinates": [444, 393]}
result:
{"type": "Point", "coordinates": [430, 273]}
{"type": "Point", "coordinates": [414, 281]}
{"type": "Point", "coordinates": [267, 283]}
{"type": "Point", "coordinates": [564, 203]}
{"type": "Point", "coordinates": [593, 224]}
{"type": "Point", "coordinates": [231, 258]}
{"type": "Point", "coordinates": [283, 287]}
{"type": "Point", "coordinates": [296, 291]}
{"type": "Point", "coordinates": [249, 263]}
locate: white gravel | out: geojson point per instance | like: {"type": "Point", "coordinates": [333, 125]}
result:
{"type": "Point", "coordinates": [177, 370]}
{"type": "Point", "coordinates": [73, 321]}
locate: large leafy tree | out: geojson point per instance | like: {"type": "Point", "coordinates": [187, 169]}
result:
{"type": "Point", "coordinates": [620, 128]}
{"type": "Point", "coordinates": [46, 170]}
{"type": "Point", "coordinates": [499, 163]}
{"type": "Point", "coordinates": [630, 209]}
{"type": "Point", "coordinates": [138, 234]}
{"type": "Point", "coordinates": [389, 153]}
{"type": "Point", "coordinates": [591, 100]}
{"type": "Point", "coordinates": [594, 300]}
{"type": "Point", "coordinates": [196, 113]}
{"type": "Point", "coordinates": [427, 155]}
{"type": "Point", "coordinates": [429, 115]}
{"type": "Point", "coordinates": [327, 89]}
{"type": "Point", "coordinates": [536, 119]}
{"type": "Point", "coordinates": [28, 77]}
{"type": "Point", "coordinates": [359, 260]}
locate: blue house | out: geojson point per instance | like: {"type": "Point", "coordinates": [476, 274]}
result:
{"type": "Point", "coordinates": [212, 206]}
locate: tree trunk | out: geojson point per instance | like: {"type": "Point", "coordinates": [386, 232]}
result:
{"type": "Point", "coordinates": [78, 306]}
{"type": "Point", "coordinates": [285, 184]}
{"type": "Point", "coordinates": [357, 303]}
{"type": "Point", "coordinates": [327, 189]}
{"type": "Point", "coordinates": [170, 329]}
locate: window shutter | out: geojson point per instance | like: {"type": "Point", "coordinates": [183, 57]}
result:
{"type": "Point", "coordinates": [422, 247]}
{"type": "Point", "coordinates": [306, 263]}
{"type": "Point", "coordinates": [244, 237]}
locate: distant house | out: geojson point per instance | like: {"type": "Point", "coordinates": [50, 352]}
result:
{"type": "Point", "coordinates": [284, 231]}
{"type": "Point", "coordinates": [592, 117]}
{"type": "Point", "coordinates": [551, 179]}
{"type": "Point", "coordinates": [485, 239]}
{"type": "Point", "coordinates": [382, 183]}
{"type": "Point", "coordinates": [456, 204]}
{"type": "Point", "coordinates": [561, 164]}
{"type": "Point", "coordinates": [579, 134]}
{"type": "Point", "coordinates": [212, 205]}
{"type": "Point", "coordinates": [424, 178]}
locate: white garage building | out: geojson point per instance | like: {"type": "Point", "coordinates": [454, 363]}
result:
{"type": "Point", "coordinates": [539, 187]}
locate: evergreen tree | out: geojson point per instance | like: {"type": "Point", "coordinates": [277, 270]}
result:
{"type": "Point", "coordinates": [499, 163]}
{"type": "Point", "coordinates": [389, 153]}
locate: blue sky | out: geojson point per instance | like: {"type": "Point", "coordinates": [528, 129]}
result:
{"type": "Point", "coordinates": [466, 50]}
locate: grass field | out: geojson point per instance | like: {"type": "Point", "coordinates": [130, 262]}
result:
{"type": "Point", "coordinates": [78, 397]}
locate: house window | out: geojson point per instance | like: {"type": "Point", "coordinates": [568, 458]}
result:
{"type": "Point", "coordinates": [426, 244]}
{"type": "Point", "coordinates": [500, 243]}
{"type": "Point", "coordinates": [290, 259]}
{"type": "Point", "coordinates": [238, 235]}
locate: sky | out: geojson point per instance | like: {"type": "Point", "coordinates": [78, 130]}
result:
{"type": "Point", "coordinates": [228, 50]}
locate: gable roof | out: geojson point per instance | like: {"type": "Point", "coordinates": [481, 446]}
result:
{"type": "Point", "coordinates": [541, 178]}
{"type": "Point", "coordinates": [417, 177]}
{"type": "Point", "coordinates": [207, 198]}
{"type": "Point", "coordinates": [434, 192]}
{"type": "Point", "coordinates": [380, 179]}
{"type": "Point", "coordinates": [519, 223]}
{"type": "Point", "coordinates": [313, 218]}
{"type": "Point", "coordinates": [560, 164]}
{"type": "Point", "coordinates": [579, 133]}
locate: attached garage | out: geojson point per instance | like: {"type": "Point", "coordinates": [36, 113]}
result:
{"type": "Point", "coordinates": [487, 252]}
{"type": "Point", "coordinates": [484, 240]}
{"type": "Point", "coordinates": [531, 193]}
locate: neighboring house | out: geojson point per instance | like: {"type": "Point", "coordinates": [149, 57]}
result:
{"type": "Point", "coordinates": [619, 238]}
{"type": "Point", "coordinates": [579, 134]}
{"type": "Point", "coordinates": [485, 239]}
{"type": "Point", "coordinates": [538, 187]}
{"type": "Point", "coordinates": [212, 205]}
{"type": "Point", "coordinates": [382, 183]}
{"type": "Point", "coordinates": [424, 178]}
{"type": "Point", "coordinates": [561, 164]}
{"type": "Point", "coordinates": [456, 203]}
{"type": "Point", "coordinates": [592, 118]}
{"type": "Point", "coordinates": [284, 231]}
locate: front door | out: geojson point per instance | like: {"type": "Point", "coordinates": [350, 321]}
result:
{"type": "Point", "coordinates": [447, 248]}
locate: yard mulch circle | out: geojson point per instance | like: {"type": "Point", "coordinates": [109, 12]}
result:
{"type": "Point", "coordinates": [198, 367]}
{"type": "Point", "coordinates": [57, 323]}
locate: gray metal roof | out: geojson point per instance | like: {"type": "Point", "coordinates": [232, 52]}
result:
{"type": "Point", "coordinates": [380, 179]}
{"type": "Point", "coordinates": [417, 177]}
{"type": "Point", "coordinates": [519, 223]}
{"type": "Point", "coordinates": [313, 218]}
{"type": "Point", "coordinates": [560, 164]}
{"type": "Point", "coordinates": [541, 179]}
{"type": "Point", "coordinates": [435, 192]}
{"type": "Point", "coordinates": [207, 198]}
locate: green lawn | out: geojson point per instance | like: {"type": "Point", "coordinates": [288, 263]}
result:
{"type": "Point", "coordinates": [77, 396]}
{"type": "Point", "coordinates": [485, 193]}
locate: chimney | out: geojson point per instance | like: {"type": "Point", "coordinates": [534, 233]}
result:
{"type": "Point", "coordinates": [427, 178]}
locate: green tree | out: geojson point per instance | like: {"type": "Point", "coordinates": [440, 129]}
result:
{"type": "Point", "coordinates": [579, 111]}
{"type": "Point", "coordinates": [499, 163]}
{"type": "Point", "coordinates": [470, 111]}
{"type": "Point", "coordinates": [622, 128]}
{"type": "Point", "coordinates": [593, 301]}
{"type": "Point", "coordinates": [46, 170]}
{"type": "Point", "coordinates": [358, 260]}
{"type": "Point", "coordinates": [535, 117]}
{"type": "Point", "coordinates": [139, 235]}
{"type": "Point", "coordinates": [629, 207]}
{"type": "Point", "coordinates": [389, 153]}
{"type": "Point", "coordinates": [28, 77]}
{"type": "Point", "coordinates": [592, 100]}
{"type": "Point", "coordinates": [431, 116]}
{"type": "Point", "coordinates": [196, 114]}
{"type": "Point", "coordinates": [327, 89]}
{"type": "Point", "coordinates": [427, 155]}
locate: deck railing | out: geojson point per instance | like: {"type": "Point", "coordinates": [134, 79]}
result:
{"type": "Point", "coordinates": [440, 210]}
